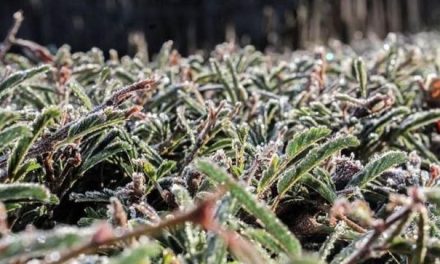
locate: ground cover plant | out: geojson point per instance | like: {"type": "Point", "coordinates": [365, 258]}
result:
{"type": "Point", "coordinates": [327, 155]}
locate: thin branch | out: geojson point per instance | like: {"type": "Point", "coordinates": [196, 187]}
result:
{"type": "Point", "coordinates": [417, 202]}
{"type": "Point", "coordinates": [365, 249]}
{"type": "Point", "coordinates": [352, 224]}
{"type": "Point", "coordinates": [36, 49]}
{"type": "Point", "coordinates": [124, 93]}
{"type": "Point", "coordinates": [10, 37]}
{"type": "Point", "coordinates": [202, 215]}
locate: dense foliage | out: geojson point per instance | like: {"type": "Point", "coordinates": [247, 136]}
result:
{"type": "Point", "coordinates": [327, 155]}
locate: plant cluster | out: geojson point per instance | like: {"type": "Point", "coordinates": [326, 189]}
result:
{"type": "Point", "coordinates": [327, 155]}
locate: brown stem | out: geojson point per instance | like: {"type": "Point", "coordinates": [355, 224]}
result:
{"type": "Point", "coordinates": [10, 37]}
{"type": "Point", "coordinates": [352, 224]}
{"type": "Point", "coordinates": [37, 50]}
{"type": "Point", "coordinates": [124, 93]}
{"type": "Point", "coordinates": [365, 249]}
{"type": "Point", "coordinates": [202, 215]}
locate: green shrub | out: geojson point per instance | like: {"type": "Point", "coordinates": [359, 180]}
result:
{"type": "Point", "coordinates": [241, 156]}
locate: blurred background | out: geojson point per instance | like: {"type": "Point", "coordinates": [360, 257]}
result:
{"type": "Point", "coordinates": [201, 24]}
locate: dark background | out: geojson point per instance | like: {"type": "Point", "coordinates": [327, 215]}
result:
{"type": "Point", "coordinates": [200, 24]}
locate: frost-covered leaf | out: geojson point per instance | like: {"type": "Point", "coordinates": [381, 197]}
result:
{"type": "Point", "coordinates": [8, 135]}
{"type": "Point", "coordinates": [271, 223]}
{"type": "Point", "coordinates": [418, 120]}
{"type": "Point", "coordinates": [20, 150]}
{"type": "Point", "coordinates": [376, 167]}
{"type": "Point", "coordinates": [21, 76]}
{"type": "Point", "coordinates": [82, 96]}
{"type": "Point", "coordinates": [361, 75]}
{"type": "Point", "coordinates": [101, 156]}
{"type": "Point", "coordinates": [24, 192]}
{"type": "Point", "coordinates": [313, 159]}
{"type": "Point", "coordinates": [305, 139]}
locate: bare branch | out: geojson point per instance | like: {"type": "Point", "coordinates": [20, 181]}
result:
{"type": "Point", "coordinates": [10, 37]}
{"type": "Point", "coordinates": [202, 215]}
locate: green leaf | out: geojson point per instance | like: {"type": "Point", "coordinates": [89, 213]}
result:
{"type": "Point", "coordinates": [313, 159]}
{"type": "Point", "coordinates": [419, 120]}
{"type": "Point", "coordinates": [32, 97]}
{"type": "Point", "coordinates": [8, 135]}
{"type": "Point", "coordinates": [324, 176]}
{"type": "Point", "coordinates": [34, 244]}
{"type": "Point", "coordinates": [7, 117]}
{"type": "Point", "coordinates": [104, 154]}
{"type": "Point", "coordinates": [224, 143]}
{"type": "Point", "coordinates": [165, 167]}
{"type": "Point", "coordinates": [149, 170]}
{"type": "Point", "coordinates": [82, 96]}
{"type": "Point", "coordinates": [386, 119]}
{"type": "Point", "coordinates": [231, 92]}
{"type": "Point", "coordinates": [376, 167]}
{"type": "Point", "coordinates": [27, 167]}
{"type": "Point", "coordinates": [361, 75]}
{"type": "Point", "coordinates": [416, 142]}
{"type": "Point", "coordinates": [94, 122]}
{"type": "Point", "coordinates": [182, 196]}
{"type": "Point", "coordinates": [21, 76]}
{"type": "Point", "coordinates": [24, 192]}
{"type": "Point", "coordinates": [349, 99]}
{"type": "Point", "coordinates": [320, 187]}
{"type": "Point", "coordinates": [296, 146]}
{"type": "Point", "coordinates": [86, 124]}
{"type": "Point", "coordinates": [271, 223]}
{"type": "Point", "coordinates": [305, 139]}
{"type": "Point", "coordinates": [18, 154]}
{"type": "Point", "coordinates": [264, 238]}
{"type": "Point", "coordinates": [235, 80]}
{"type": "Point", "coordinates": [269, 174]}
